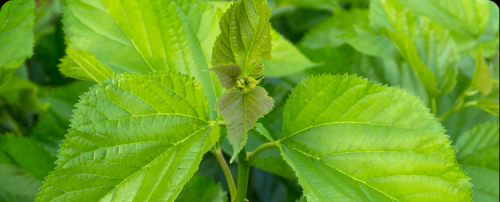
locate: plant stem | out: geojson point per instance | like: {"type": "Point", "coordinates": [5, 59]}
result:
{"type": "Point", "coordinates": [227, 172]}
{"type": "Point", "coordinates": [459, 104]}
{"type": "Point", "coordinates": [433, 105]}
{"type": "Point", "coordinates": [253, 155]}
{"type": "Point", "coordinates": [243, 174]}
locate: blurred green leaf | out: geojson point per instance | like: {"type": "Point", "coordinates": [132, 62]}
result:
{"type": "Point", "coordinates": [21, 93]}
{"type": "Point", "coordinates": [202, 189]}
{"type": "Point", "coordinates": [17, 39]}
{"type": "Point", "coordinates": [478, 150]}
{"type": "Point", "coordinates": [24, 163]}
{"type": "Point", "coordinates": [84, 66]}
{"type": "Point", "coordinates": [482, 80]}
{"type": "Point", "coordinates": [314, 4]}
{"type": "Point", "coordinates": [489, 105]}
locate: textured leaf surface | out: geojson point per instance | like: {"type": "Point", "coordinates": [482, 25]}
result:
{"type": "Point", "coordinates": [352, 140]}
{"type": "Point", "coordinates": [426, 46]}
{"type": "Point", "coordinates": [84, 66]}
{"type": "Point", "coordinates": [133, 137]}
{"type": "Point", "coordinates": [23, 165]}
{"type": "Point", "coordinates": [240, 111]}
{"type": "Point", "coordinates": [482, 80]}
{"type": "Point", "coordinates": [227, 74]}
{"type": "Point", "coordinates": [202, 189]}
{"type": "Point", "coordinates": [245, 37]}
{"type": "Point", "coordinates": [287, 59]}
{"type": "Point", "coordinates": [146, 36]}
{"type": "Point", "coordinates": [478, 153]}
{"type": "Point", "coordinates": [16, 36]}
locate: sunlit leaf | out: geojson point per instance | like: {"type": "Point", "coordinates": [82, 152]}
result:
{"type": "Point", "coordinates": [84, 66]}
{"type": "Point", "coordinates": [482, 80]}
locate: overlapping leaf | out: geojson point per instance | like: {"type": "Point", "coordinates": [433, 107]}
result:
{"type": "Point", "coordinates": [202, 189]}
{"type": "Point", "coordinates": [84, 66]}
{"type": "Point", "coordinates": [16, 36]}
{"type": "Point", "coordinates": [133, 137]}
{"type": "Point", "coordinates": [23, 165]}
{"type": "Point", "coordinates": [350, 139]}
{"type": "Point", "coordinates": [478, 153]}
{"type": "Point", "coordinates": [482, 80]}
{"type": "Point", "coordinates": [245, 37]}
{"type": "Point", "coordinates": [240, 111]}
{"type": "Point", "coordinates": [146, 36]}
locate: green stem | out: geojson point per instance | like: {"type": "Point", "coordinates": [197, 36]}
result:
{"type": "Point", "coordinates": [433, 104]}
{"type": "Point", "coordinates": [253, 155]}
{"type": "Point", "coordinates": [459, 105]}
{"type": "Point", "coordinates": [243, 174]}
{"type": "Point", "coordinates": [227, 172]}
{"type": "Point", "coordinates": [12, 122]}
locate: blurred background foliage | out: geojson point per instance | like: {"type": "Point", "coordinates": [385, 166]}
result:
{"type": "Point", "coordinates": [330, 36]}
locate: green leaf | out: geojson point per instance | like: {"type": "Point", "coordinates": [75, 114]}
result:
{"type": "Point", "coordinates": [482, 80]}
{"type": "Point", "coordinates": [84, 66]}
{"type": "Point", "coordinates": [287, 59]}
{"type": "Point", "coordinates": [350, 139]}
{"type": "Point", "coordinates": [133, 137]}
{"type": "Point", "coordinates": [227, 74]}
{"type": "Point", "coordinates": [263, 131]}
{"type": "Point", "coordinates": [23, 165]}
{"type": "Point", "coordinates": [478, 153]}
{"type": "Point", "coordinates": [16, 36]}
{"type": "Point", "coordinates": [489, 105]}
{"type": "Point", "coordinates": [240, 111]}
{"type": "Point", "coordinates": [21, 93]}
{"type": "Point", "coordinates": [314, 4]}
{"type": "Point", "coordinates": [245, 37]}
{"type": "Point", "coordinates": [146, 36]}
{"type": "Point", "coordinates": [202, 189]}
{"type": "Point", "coordinates": [425, 45]}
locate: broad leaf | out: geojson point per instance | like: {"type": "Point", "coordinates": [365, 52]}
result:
{"type": "Point", "coordinates": [478, 153]}
{"type": "Point", "coordinates": [84, 66]}
{"type": "Point", "coordinates": [16, 36]}
{"type": "Point", "coordinates": [227, 74]}
{"type": "Point", "coordinates": [287, 59]}
{"type": "Point", "coordinates": [23, 165]}
{"type": "Point", "coordinates": [350, 139]}
{"type": "Point", "coordinates": [133, 137]}
{"type": "Point", "coordinates": [202, 189]}
{"type": "Point", "coordinates": [245, 37]}
{"type": "Point", "coordinates": [425, 45]}
{"type": "Point", "coordinates": [240, 111]}
{"type": "Point", "coordinates": [482, 80]}
{"type": "Point", "coordinates": [146, 36]}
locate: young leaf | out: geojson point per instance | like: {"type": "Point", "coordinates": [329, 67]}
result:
{"type": "Point", "coordinates": [240, 111]}
{"type": "Point", "coordinates": [489, 105]}
{"type": "Point", "coordinates": [227, 74]}
{"type": "Point", "coordinates": [145, 36]}
{"type": "Point", "coordinates": [350, 139]}
{"type": "Point", "coordinates": [202, 189]}
{"type": "Point", "coordinates": [23, 165]}
{"type": "Point", "coordinates": [16, 36]}
{"type": "Point", "coordinates": [482, 80]}
{"type": "Point", "coordinates": [133, 137]}
{"type": "Point", "coordinates": [263, 131]}
{"type": "Point", "coordinates": [478, 153]}
{"type": "Point", "coordinates": [245, 37]}
{"type": "Point", "coordinates": [84, 66]}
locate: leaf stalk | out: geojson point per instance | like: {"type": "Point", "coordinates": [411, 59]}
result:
{"type": "Point", "coordinates": [243, 174]}
{"type": "Point", "coordinates": [253, 155]}
{"type": "Point", "coordinates": [227, 172]}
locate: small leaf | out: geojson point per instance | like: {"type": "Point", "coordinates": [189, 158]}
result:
{"type": "Point", "coordinates": [17, 38]}
{"type": "Point", "coordinates": [81, 65]}
{"type": "Point", "coordinates": [240, 111]}
{"type": "Point", "coordinates": [133, 137]}
{"type": "Point", "coordinates": [482, 80]}
{"type": "Point", "coordinates": [478, 153]}
{"type": "Point", "coordinates": [251, 83]}
{"type": "Point", "coordinates": [263, 131]}
{"type": "Point", "coordinates": [489, 105]}
{"type": "Point", "coordinates": [245, 37]}
{"type": "Point", "coordinates": [348, 138]}
{"type": "Point", "coordinates": [202, 189]}
{"type": "Point", "coordinates": [227, 74]}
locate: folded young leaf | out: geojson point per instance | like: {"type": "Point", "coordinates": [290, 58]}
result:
{"type": "Point", "coordinates": [426, 46]}
{"type": "Point", "coordinates": [133, 137]}
{"type": "Point", "coordinates": [245, 37]}
{"type": "Point", "coordinates": [350, 139]}
{"type": "Point", "coordinates": [240, 111]}
{"type": "Point", "coordinates": [146, 36]}
{"type": "Point", "coordinates": [483, 79]}
{"type": "Point", "coordinates": [227, 74]}
{"type": "Point", "coordinates": [84, 66]}
{"type": "Point", "coordinates": [23, 165]}
{"type": "Point", "coordinates": [202, 189]}
{"type": "Point", "coordinates": [16, 36]}
{"type": "Point", "coordinates": [478, 153]}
